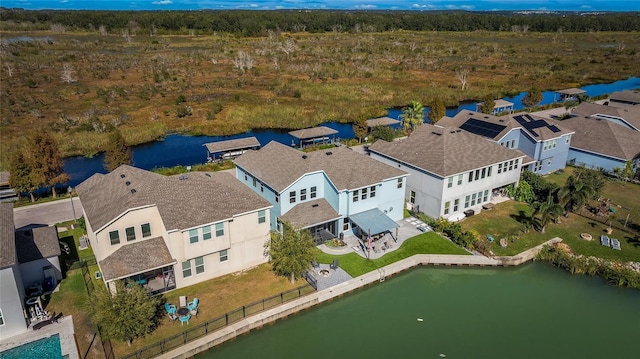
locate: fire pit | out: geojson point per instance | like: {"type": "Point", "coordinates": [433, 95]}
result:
{"type": "Point", "coordinates": [586, 236]}
{"type": "Point", "coordinates": [324, 272]}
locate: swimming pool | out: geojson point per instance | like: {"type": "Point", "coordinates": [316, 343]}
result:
{"type": "Point", "coordinates": [45, 348]}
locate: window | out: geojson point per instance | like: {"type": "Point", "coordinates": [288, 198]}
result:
{"type": "Point", "coordinates": [447, 204]}
{"type": "Point", "coordinates": [131, 233]}
{"type": "Point", "coordinates": [479, 197]}
{"type": "Point", "coordinates": [549, 160]}
{"type": "Point", "coordinates": [567, 139]}
{"type": "Point", "coordinates": [262, 216]}
{"type": "Point", "coordinates": [199, 265]}
{"type": "Point", "coordinates": [489, 171]}
{"type": "Point", "coordinates": [219, 229]}
{"type": "Point", "coordinates": [484, 173]}
{"type": "Point", "coordinates": [551, 144]}
{"type": "Point", "coordinates": [486, 195]}
{"type": "Point", "coordinates": [412, 197]}
{"type": "Point", "coordinates": [206, 233]}
{"type": "Point", "coordinates": [459, 180]}
{"type": "Point", "coordinates": [186, 269]}
{"type": "Point", "coordinates": [345, 224]}
{"type": "Point", "coordinates": [501, 143]}
{"type": "Point", "coordinates": [255, 183]}
{"type": "Point", "coordinates": [477, 175]}
{"type": "Point", "coordinates": [456, 202]}
{"type": "Point", "coordinates": [364, 194]}
{"type": "Point", "coordinates": [356, 195]}
{"type": "Point", "coordinates": [510, 165]}
{"type": "Point", "coordinates": [292, 197]}
{"type": "Point", "coordinates": [114, 237]}
{"type": "Point", "coordinates": [466, 201]}
{"type": "Point", "coordinates": [516, 164]}
{"type": "Point", "coordinates": [303, 194]}
{"type": "Point", "coordinates": [473, 199]}
{"type": "Point", "coordinates": [193, 235]}
{"type": "Point", "coordinates": [245, 176]}
{"type": "Point", "coordinates": [277, 198]}
{"type": "Point", "coordinates": [470, 176]}
{"type": "Point", "coordinates": [313, 192]}
{"type": "Point", "coordinates": [449, 182]}
{"type": "Point", "coordinates": [399, 182]}
{"type": "Point", "coordinates": [372, 191]}
{"type": "Point", "coordinates": [499, 168]}
{"type": "Point", "coordinates": [146, 230]}
{"type": "Point", "coordinates": [513, 143]}
{"type": "Point", "coordinates": [224, 255]}
{"type": "Point", "coordinates": [1, 318]}
{"type": "Point", "coordinates": [538, 166]}
{"type": "Point", "coordinates": [261, 187]}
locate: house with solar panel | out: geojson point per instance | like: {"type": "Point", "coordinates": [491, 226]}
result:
{"type": "Point", "coordinates": [333, 192]}
{"type": "Point", "coordinates": [168, 232]}
{"type": "Point", "coordinates": [545, 142]}
{"type": "Point", "coordinates": [452, 173]}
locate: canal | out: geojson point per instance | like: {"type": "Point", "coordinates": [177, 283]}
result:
{"type": "Point", "coordinates": [531, 311]}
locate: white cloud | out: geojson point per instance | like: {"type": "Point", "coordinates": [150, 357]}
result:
{"type": "Point", "coordinates": [366, 6]}
{"type": "Point", "coordinates": [585, 7]}
{"type": "Point", "coordinates": [162, 2]}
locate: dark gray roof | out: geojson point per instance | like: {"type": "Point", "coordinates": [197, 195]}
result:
{"type": "Point", "coordinates": [310, 213]}
{"type": "Point", "coordinates": [571, 91]}
{"type": "Point", "coordinates": [231, 145]}
{"type": "Point", "coordinates": [37, 243]}
{"type": "Point", "coordinates": [313, 132]}
{"type": "Point", "coordinates": [604, 137]}
{"type": "Point", "coordinates": [137, 257]}
{"type": "Point", "coordinates": [630, 114]}
{"type": "Point", "coordinates": [381, 121]}
{"type": "Point", "coordinates": [631, 97]}
{"type": "Point", "coordinates": [373, 221]}
{"type": "Point", "coordinates": [279, 166]}
{"type": "Point", "coordinates": [184, 201]}
{"type": "Point", "coordinates": [445, 151]}
{"type": "Point", "coordinates": [7, 236]}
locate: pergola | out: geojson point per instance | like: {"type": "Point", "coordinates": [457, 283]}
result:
{"type": "Point", "coordinates": [312, 136]}
{"type": "Point", "coordinates": [230, 148]}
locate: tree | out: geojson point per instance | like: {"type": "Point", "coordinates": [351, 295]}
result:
{"type": "Point", "coordinates": [574, 194]}
{"type": "Point", "coordinates": [532, 98]}
{"type": "Point", "coordinates": [291, 251]}
{"type": "Point", "coordinates": [487, 105]}
{"type": "Point", "coordinates": [360, 128]}
{"type": "Point", "coordinates": [46, 161]}
{"type": "Point", "coordinates": [592, 178]}
{"type": "Point", "coordinates": [547, 210]}
{"type": "Point", "coordinates": [118, 153]}
{"type": "Point", "coordinates": [461, 74]}
{"type": "Point", "coordinates": [383, 133]}
{"type": "Point", "coordinates": [438, 110]}
{"type": "Point", "coordinates": [521, 193]}
{"type": "Point", "coordinates": [129, 313]}
{"type": "Point", "coordinates": [20, 175]}
{"type": "Point", "coordinates": [540, 186]}
{"type": "Point", "coordinates": [67, 74]}
{"type": "Point", "coordinates": [627, 171]}
{"type": "Point", "coordinates": [412, 115]}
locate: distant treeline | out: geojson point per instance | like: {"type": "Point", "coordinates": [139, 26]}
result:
{"type": "Point", "coordinates": [254, 23]}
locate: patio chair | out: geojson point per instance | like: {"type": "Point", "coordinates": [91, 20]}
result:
{"type": "Point", "coordinates": [334, 264]}
{"type": "Point", "coordinates": [170, 308]}
{"type": "Point", "coordinates": [185, 319]}
{"type": "Point", "coordinates": [183, 301]}
{"type": "Point", "coordinates": [314, 264]}
{"type": "Point", "coordinates": [490, 238]}
{"type": "Point", "coordinates": [172, 317]}
{"type": "Point", "coordinates": [193, 306]}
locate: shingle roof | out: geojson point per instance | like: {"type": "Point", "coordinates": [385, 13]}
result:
{"type": "Point", "coordinates": [127, 261]}
{"type": "Point", "coordinates": [279, 166]}
{"type": "Point", "coordinates": [183, 201]}
{"type": "Point", "coordinates": [313, 132]}
{"type": "Point", "coordinates": [502, 103]}
{"type": "Point", "coordinates": [381, 121]}
{"type": "Point", "coordinates": [310, 213]}
{"type": "Point", "coordinates": [445, 151]}
{"type": "Point", "coordinates": [230, 145]}
{"type": "Point", "coordinates": [7, 236]}
{"type": "Point", "coordinates": [628, 96]}
{"type": "Point", "coordinates": [602, 136]}
{"type": "Point", "coordinates": [571, 91]}
{"type": "Point", "coordinates": [37, 243]}
{"type": "Point", "coordinates": [629, 114]}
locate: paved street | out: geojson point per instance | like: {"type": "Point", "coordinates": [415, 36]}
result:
{"type": "Point", "coordinates": [46, 213]}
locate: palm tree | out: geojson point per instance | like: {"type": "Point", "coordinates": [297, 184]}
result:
{"type": "Point", "coordinates": [412, 115]}
{"type": "Point", "coordinates": [574, 194]}
{"type": "Point", "coordinates": [547, 210]}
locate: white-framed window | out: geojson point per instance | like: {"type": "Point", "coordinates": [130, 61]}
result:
{"type": "Point", "coordinates": [206, 233]}
{"type": "Point", "coordinates": [146, 230]}
{"type": "Point", "coordinates": [548, 145]}
{"type": "Point", "coordinates": [292, 197]}
{"type": "Point", "coordinates": [479, 197]}
{"type": "Point", "coordinates": [456, 202]}
{"type": "Point", "coordinates": [567, 139]}
{"type": "Point", "coordinates": [510, 165]}
{"type": "Point", "coordinates": [516, 163]}
{"type": "Point", "coordinates": [484, 173]}
{"type": "Point", "coordinates": [538, 166]}
{"type": "Point", "coordinates": [399, 182]}
{"type": "Point", "coordinates": [449, 182]}
{"type": "Point", "coordinates": [447, 206]}
{"type": "Point", "coordinates": [312, 193]}
{"type": "Point", "coordinates": [372, 191]}
{"type": "Point", "coordinates": [224, 255]}
{"type": "Point", "coordinates": [219, 229]}
{"type": "Point", "coordinates": [114, 237]}
{"type": "Point", "coordinates": [513, 143]}
{"type": "Point", "coordinates": [499, 168]}
{"type": "Point", "coordinates": [486, 195]}
{"type": "Point", "coordinates": [466, 201]}
{"type": "Point", "coordinates": [193, 235]}
{"type": "Point", "coordinates": [199, 265]}
{"type": "Point", "coordinates": [549, 160]}
{"type": "Point", "coordinates": [356, 195]}
{"type": "Point", "coordinates": [255, 182]}
{"type": "Point", "coordinates": [489, 171]}
{"type": "Point", "coordinates": [303, 194]}
{"type": "Point", "coordinates": [1, 318]}
{"type": "Point", "coordinates": [131, 233]}
{"type": "Point", "coordinates": [502, 144]}
{"type": "Point", "coordinates": [470, 176]}
{"type": "Point", "coordinates": [363, 196]}
{"type": "Point", "coordinates": [186, 269]}
{"type": "Point", "coordinates": [277, 198]}
{"type": "Point", "coordinates": [477, 175]}
{"type": "Point", "coordinates": [262, 216]}
{"type": "Point", "coordinates": [473, 199]}
{"type": "Point", "coordinates": [412, 197]}
{"type": "Point", "coordinates": [245, 176]}
{"type": "Point", "coordinates": [345, 224]}
{"type": "Point", "coordinates": [459, 179]}
{"type": "Point", "coordinates": [261, 187]}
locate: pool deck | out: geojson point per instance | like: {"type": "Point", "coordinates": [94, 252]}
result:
{"type": "Point", "coordinates": [64, 327]}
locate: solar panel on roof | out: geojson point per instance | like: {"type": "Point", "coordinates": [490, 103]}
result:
{"type": "Point", "coordinates": [554, 129]}
{"type": "Point", "coordinates": [482, 128]}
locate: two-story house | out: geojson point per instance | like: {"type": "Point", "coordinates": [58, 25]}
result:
{"type": "Point", "coordinates": [627, 116]}
{"type": "Point", "coordinates": [451, 171]}
{"type": "Point", "coordinates": [172, 231]}
{"type": "Point", "coordinates": [544, 141]}
{"type": "Point", "coordinates": [327, 191]}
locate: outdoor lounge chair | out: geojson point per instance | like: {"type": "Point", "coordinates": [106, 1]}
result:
{"type": "Point", "coordinates": [183, 301]}
{"type": "Point", "coordinates": [334, 264]}
{"type": "Point", "coordinates": [193, 306]}
{"type": "Point", "coordinates": [170, 308]}
{"type": "Point", "coordinates": [604, 240]}
{"type": "Point", "coordinates": [615, 244]}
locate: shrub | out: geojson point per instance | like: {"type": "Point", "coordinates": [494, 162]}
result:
{"type": "Point", "coordinates": [183, 111]}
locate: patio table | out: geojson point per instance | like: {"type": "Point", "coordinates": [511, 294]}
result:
{"type": "Point", "coordinates": [183, 311]}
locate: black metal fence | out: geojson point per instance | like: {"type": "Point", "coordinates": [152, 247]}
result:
{"type": "Point", "coordinates": [90, 287]}
{"type": "Point", "coordinates": [212, 325]}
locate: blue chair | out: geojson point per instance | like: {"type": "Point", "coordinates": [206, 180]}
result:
{"type": "Point", "coordinates": [193, 306]}
{"type": "Point", "coordinates": [184, 319]}
{"type": "Point", "coordinates": [170, 308]}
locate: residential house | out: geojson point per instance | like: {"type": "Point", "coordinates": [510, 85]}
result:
{"type": "Point", "coordinates": [628, 116]}
{"type": "Point", "coordinates": [626, 98]}
{"type": "Point", "coordinates": [546, 143]}
{"type": "Point", "coordinates": [601, 143]}
{"type": "Point", "coordinates": [325, 191]}
{"type": "Point", "coordinates": [172, 231]}
{"type": "Point", "coordinates": [451, 170]}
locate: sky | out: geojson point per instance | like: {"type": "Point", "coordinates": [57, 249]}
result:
{"type": "Point", "coordinates": [470, 5]}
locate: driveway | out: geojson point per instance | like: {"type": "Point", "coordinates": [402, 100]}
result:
{"type": "Point", "coordinates": [46, 214]}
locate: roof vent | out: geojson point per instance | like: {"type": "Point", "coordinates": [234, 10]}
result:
{"type": "Point", "coordinates": [207, 174]}
{"type": "Point", "coordinates": [501, 120]}
{"type": "Point", "coordinates": [329, 153]}
{"type": "Point", "coordinates": [486, 116]}
{"type": "Point", "coordinates": [453, 131]}
{"type": "Point", "coordinates": [304, 157]}
{"type": "Point", "coordinates": [314, 205]}
{"type": "Point", "coordinates": [133, 190]}
{"type": "Point", "coordinates": [436, 133]}
{"type": "Point", "coordinates": [122, 176]}
{"type": "Point", "coordinates": [183, 177]}
{"type": "Point", "coordinates": [127, 183]}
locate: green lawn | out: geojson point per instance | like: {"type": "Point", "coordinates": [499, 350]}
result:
{"type": "Point", "coordinates": [426, 243]}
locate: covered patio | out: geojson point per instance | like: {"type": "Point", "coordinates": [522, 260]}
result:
{"type": "Point", "coordinates": [313, 136]}
{"type": "Point", "coordinates": [317, 216]}
{"type": "Point", "coordinates": [374, 230]}
{"type": "Point", "coordinates": [222, 150]}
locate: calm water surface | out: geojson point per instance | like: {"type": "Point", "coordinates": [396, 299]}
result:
{"type": "Point", "coordinates": [533, 311]}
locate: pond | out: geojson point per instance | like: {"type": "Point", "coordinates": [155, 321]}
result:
{"type": "Point", "coordinates": [532, 311]}
{"type": "Point", "coordinates": [187, 150]}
